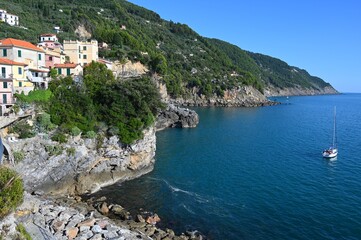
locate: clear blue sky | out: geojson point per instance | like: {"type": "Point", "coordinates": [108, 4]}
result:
{"type": "Point", "coordinates": [321, 36]}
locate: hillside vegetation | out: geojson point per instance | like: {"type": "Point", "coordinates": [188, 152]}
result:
{"type": "Point", "coordinates": [182, 57]}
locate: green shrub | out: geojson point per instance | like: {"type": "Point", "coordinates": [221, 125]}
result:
{"type": "Point", "coordinates": [90, 134]}
{"type": "Point", "coordinates": [70, 151]}
{"type": "Point", "coordinates": [11, 191]}
{"type": "Point", "coordinates": [45, 123]}
{"type": "Point", "coordinates": [75, 131]}
{"type": "Point", "coordinates": [38, 96]}
{"type": "Point", "coordinates": [22, 231]}
{"type": "Point", "coordinates": [59, 137]}
{"type": "Point", "coordinates": [54, 150]}
{"type": "Point", "coordinates": [18, 156]}
{"type": "Point", "coordinates": [23, 129]}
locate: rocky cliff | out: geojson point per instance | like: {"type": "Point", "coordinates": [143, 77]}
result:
{"type": "Point", "coordinates": [82, 165]}
{"type": "Point", "coordinates": [245, 96]}
{"type": "Point", "coordinates": [298, 91]}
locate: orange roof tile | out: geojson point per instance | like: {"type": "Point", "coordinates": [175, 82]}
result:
{"type": "Point", "coordinates": [6, 61]}
{"type": "Point", "coordinates": [19, 43]}
{"type": "Point", "coordinates": [65, 65]}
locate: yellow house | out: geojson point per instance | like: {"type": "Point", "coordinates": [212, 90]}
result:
{"type": "Point", "coordinates": [69, 69]}
{"type": "Point", "coordinates": [16, 72]}
{"type": "Point", "coordinates": [81, 52]}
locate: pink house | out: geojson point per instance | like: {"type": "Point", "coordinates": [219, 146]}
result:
{"type": "Point", "coordinates": [52, 58]}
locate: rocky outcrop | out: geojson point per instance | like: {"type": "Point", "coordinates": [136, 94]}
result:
{"type": "Point", "coordinates": [174, 116]}
{"type": "Point", "coordinates": [245, 96]}
{"type": "Point", "coordinates": [128, 69]}
{"type": "Point", "coordinates": [53, 219]}
{"type": "Point", "coordinates": [298, 91]}
{"type": "Point", "coordinates": [82, 165]}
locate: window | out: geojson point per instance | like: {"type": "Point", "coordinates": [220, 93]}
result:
{"type": "Point", "coordinates": [68, 71]}
{"type": "Point", "coordinates": [50, 58]}
{"type": "Point", "coordinates": [84, 56]}
{"type": "Point", "coordinates": [79, 56]}
{"type": "Point", "coordinates": [5, 98]}
{"type": "Point", "coordinates": [59, 71]}
{"type": "Point", "coordinates": [19, 53]}
{"type": "Point", "coordinates": [39, 57]}
{"type": "Point", "coordinates": [84, 48]}
{"type": "Point", "coordinates": [20, 84]}
{"type": "Point", "coordinates": [5, 52]}
{"type": "Point", "coordinates": [5, 84]}
{"type": "Point", "coordinates": [20, 70]}
{"type": "Point", "coordinates": [3, 72]}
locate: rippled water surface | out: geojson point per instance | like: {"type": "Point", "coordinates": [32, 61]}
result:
{"type": "Point", "coordinates": [257, 173]}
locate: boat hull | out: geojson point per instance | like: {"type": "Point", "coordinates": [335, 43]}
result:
{"type": "Point", "coordinates": [331, 153]}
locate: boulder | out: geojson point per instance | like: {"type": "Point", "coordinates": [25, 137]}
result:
{"type": "Point", "coordinates": [174, 116]}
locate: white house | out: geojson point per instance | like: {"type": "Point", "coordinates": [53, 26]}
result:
{"type": "Point", "coordinates": [48, 37]}
{"type": "Point", "coordinates": [10, 19]}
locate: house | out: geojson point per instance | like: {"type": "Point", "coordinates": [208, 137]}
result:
{"type": "Point", "coordinates": [9, 71]}
{"type": "Point", "coordinates": [56, 29]}
{"type": "Point", "coordinates": [48, 37]}
{"type": "Point", "coordinates": [16, 72]}
{"type": "Point", "coordinates": [50, 41]}
{"type": "Point", "coordinates": [53, 57]}
{"type": "Point", "coordinates": [8, 18]}
{"type": "Point", "coordinates": [103, 45]}
{"type": "Point", "coordinates": [69, 69]}
{"type": "Point", "coordinates": [81, 52]}
{"type": "Point", "coordinates": [27, 53]}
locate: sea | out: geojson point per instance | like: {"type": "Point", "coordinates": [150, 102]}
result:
{"type": "Point", "coordinates": [257, 173]}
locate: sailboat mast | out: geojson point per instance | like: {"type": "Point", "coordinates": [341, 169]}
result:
{"type": "Point", "coordinates": [334, 129]}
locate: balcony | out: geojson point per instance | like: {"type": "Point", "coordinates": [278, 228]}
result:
{"type": "Point", "coordinates": [7, 102]}
{"type": "Point", "coordinates": [3, 76]}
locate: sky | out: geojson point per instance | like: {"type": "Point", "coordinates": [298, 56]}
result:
{"type": "Point", "coordinates": [320, 36]}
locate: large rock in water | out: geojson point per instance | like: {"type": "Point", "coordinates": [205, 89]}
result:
{"type": "Point", "coordinates": [175, 116]}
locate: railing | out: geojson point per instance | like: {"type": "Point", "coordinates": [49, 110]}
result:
{"type": "Point", "coordinates": [3, 76]}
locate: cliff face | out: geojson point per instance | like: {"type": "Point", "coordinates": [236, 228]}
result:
{"type": "Point", "coordinates": [82, 165]}
{"type": "Point", "coordinates": [298, 91]}
{"type": "Point", "coordinates": [245, 96]}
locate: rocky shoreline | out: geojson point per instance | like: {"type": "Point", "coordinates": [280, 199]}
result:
{"type": "Point", "coordinates": [70, 218]}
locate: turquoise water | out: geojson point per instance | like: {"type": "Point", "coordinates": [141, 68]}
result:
{"type": "Point", "coordinates": [258, 173]}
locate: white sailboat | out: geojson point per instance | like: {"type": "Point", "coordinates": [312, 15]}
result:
{"type": "Point", "coordinates": [332, 151]}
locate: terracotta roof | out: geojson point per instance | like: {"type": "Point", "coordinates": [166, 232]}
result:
{"type": "Point", "coordinates": [66, 65]}
{"type": "Point", "coordinates": [19, 43]}
{"type": "Point", "coordinates": [6, 61]}
{"type": "Point", "coordinates": [47, 35]}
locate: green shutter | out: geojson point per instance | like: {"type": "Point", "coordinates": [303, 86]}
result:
{"type": "Point", "coordinates": [20, 84]}
{"type": "Point", "coordinates": [19, 53]}
{"type": "Point", "coordinates": [5, 52]}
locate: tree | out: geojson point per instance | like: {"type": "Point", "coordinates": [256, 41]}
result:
{"type": "Point", "coordinates": [158, 64]}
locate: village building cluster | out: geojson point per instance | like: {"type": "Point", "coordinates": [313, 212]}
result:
{"type": "Point", "coordinates": [25, 66]}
